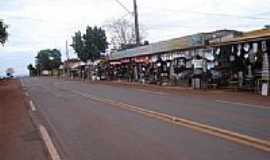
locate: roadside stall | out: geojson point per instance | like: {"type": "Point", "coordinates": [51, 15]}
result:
{"type": "Point", "coordinates": [247, 61]}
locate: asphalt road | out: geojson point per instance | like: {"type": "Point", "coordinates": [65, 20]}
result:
{"type": "Point", "coordinates": [86, 129]}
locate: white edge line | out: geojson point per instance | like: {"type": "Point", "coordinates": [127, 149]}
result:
{"type": "Point", "coordinates": [27, 94]}
{"type": "Point", "coordinates": [242, 104]}
{"type": "Point", "coordinates": [22, 82]}
{"type": "Point", "coordinates": [33, 108]}
{"type": "Point", "coordinates": [49, 144]}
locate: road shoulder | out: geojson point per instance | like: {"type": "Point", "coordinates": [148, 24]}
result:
{"type": "Point", "coordinates": [19, 136]}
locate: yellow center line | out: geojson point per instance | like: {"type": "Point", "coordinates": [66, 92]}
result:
{"type": "Point", "coordinates": [218, 132]}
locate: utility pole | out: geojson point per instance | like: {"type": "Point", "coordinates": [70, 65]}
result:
{"type": "Point", "coordinates": [67, 51]}
{"type": "Point", "coordinates": [67, 61]}
{"type": "Point", "coordinates": [137, 30]}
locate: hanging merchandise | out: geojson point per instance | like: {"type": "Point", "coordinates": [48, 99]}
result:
{"type": "Point", "coordinates": [197, 63]}
{"type": "Point", "coordinates": [264, 46]}
{"type": "Point", "coordinates": [255, 47]}
{"type": "Point", "coordinates": [246, 47]}
{"type": "Point", "coordinates": [200, 52]}
{"type": "Point", "coordinates": [154, 59]}
{"type": "Point", "coordinates": [249, 72]}
{"type": "Point", "coordinates": [239, 48]}
{"type": "Point", "coordinates": [232, 58]}
{"type": "Point", "coordinates": [189, 64]}
{"type": "Point", "coordinates": [246, 56]}
{"type": "Point", "coordinates": [210, 65]}
{"type": "Point", "coordinates": [181, 62]}
{"type": "Point", "coordinates": [252, 58]}
{"type": "Point", "coordinates": [168, 64]}
{"type": "Point", "coordinates": [209, 56]}
{"type": "Point", "coordinates": [251, 55]}
{"type": "Point", "coordinates": [265, 67]}
{"type": "Point", "coordinates": [256, 58]}
{"type": "Point", "coordinates": [232, 49]}
{"type": "Point", "coordinates": [217, 51]}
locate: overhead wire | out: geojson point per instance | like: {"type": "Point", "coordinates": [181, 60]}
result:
{"type": "Point", "coordinates": [123, 6]}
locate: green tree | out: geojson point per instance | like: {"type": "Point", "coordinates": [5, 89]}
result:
{"type": "Point", "coordinates": [55, 58]}
{"type": "Point", "coordinates": [91, 44]}
{"type": "Point", "coordinates": [77, 44]}
{"type": "Point", "coordinates": [32, 70]}
{"type": "Point", "coordinates": [48, 59]}
{"type": "Point", "coordinates": [3, 32]}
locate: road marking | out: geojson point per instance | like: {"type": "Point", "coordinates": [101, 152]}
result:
{"type": "Point", "coordinates": [49, 144]}
{"type": "Point", "coordinates": [22, 82]}
{"type": "Point", "coordinates": [218, 132]}
{"type": "Point", "coordinates": [33, 107]}
{"type": "Point", "coordinates": [26, 94]}
{"type": "Point", "coordinates": [152, 92]}
{"type": "Point", "coordinates": [243, 104]}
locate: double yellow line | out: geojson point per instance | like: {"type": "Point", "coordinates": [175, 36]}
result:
{"type": "Point", "coordinates": [218, 132]}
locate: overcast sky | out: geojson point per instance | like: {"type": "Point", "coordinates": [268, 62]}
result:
{"type": "Point", "coordinates": [41, 24]}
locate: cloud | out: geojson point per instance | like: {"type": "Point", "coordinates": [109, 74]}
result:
{"type": "Point", "coordinates": [35, 25]}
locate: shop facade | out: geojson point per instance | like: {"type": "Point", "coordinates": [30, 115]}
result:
{"type": "Point", "coordinates": [200, 61]}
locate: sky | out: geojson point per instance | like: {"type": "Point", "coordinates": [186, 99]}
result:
{"type": "Point", "coordinates": [41, 24]}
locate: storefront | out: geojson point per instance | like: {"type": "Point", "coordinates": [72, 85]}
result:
{"type": "Point", "coordinates": [244, 63]}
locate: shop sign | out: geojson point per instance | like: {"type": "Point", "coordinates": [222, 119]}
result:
{"type": "Point", "coordinates": [141, 60]}
{"type": "Point", "coordinates": [125, 61]}
{"type": "Point", "coordinates": [115, 63]}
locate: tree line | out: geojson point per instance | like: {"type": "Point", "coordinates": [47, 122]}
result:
{"type": "Point", "coordinates": [88, 47]}
{"type": "Point", "coordinates": [90, 44]}
{"type": "Point", "coordinates": [3, 32]}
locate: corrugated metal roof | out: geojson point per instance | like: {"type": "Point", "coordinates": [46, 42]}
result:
{"type": "Point", "coordinates": [249, 36]}
{"type": "Point", "coordinates": [163, 46]}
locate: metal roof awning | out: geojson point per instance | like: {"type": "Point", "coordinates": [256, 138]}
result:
{"type": "Point", "coordinates": [257, 35]}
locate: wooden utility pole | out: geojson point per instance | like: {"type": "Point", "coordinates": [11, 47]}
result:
{"type": "Point", "coordinates": [136, 22]}
{"type": "Point", "coordinates": [67, 51]}
{"type": "Point", "coordinates": [67, 61]}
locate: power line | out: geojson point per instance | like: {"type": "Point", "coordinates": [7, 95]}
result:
{"type": "Point", "coordinates": [161, 27]}
{"type": "Point", "coordinates": [123, 6]}
{"type": "Point", "coordinates": [216, 14]}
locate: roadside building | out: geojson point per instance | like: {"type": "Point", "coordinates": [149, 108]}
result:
{"type": "Point", "coordinates": [244, 60]}
{"type": "Point", "coordinates": [71, 68]}
{"type": "Point", "coordinates": [176, 61]}
{"type": "Point", "coordinates": [224, 58]}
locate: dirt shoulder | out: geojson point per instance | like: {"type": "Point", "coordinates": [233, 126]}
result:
{"type": "Point", "coordinates": [213, 94]}
{"type": "Point", "coordinates": [19, 139]}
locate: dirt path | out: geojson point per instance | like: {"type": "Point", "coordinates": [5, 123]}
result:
{"type": "Point", "coordinates": [19, 139]}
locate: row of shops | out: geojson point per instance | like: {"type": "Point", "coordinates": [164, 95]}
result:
{"type": "Point", "coordinates": [240, 61]}
{"type": "Point", "coordinates": [220, 59]}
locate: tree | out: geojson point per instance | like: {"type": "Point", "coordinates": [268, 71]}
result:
{"type": "Point", "coordinates": [3, 32]}
{"type": "Point", "coordinates": [91, 44]}
{"type": "Point", "coordinates": [32, 69]}
{"type": "Point", "coordinates": [77, 44]}
{"type": "Point", "coordinates": [122, 33]}
{"type": "Point", "coordinates": [48, 59]}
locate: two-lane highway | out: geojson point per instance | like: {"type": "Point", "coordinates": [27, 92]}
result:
{"type": "Point", "coordinates": [90, 129]}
